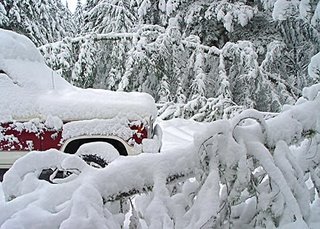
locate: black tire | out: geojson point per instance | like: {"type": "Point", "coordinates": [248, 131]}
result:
{"type": "Point", "coordinates": [94, 160]}
{"type": "Point", "coordinates": [98, 154]}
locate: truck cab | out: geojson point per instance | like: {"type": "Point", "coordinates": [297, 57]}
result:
{"type": "Point", "coordinates": [39, 110]}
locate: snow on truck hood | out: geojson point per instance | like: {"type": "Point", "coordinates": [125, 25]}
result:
{"type": "Point", "coordinates": [30, 89]}
{"type": "Point", "coordinates": [81, 104]}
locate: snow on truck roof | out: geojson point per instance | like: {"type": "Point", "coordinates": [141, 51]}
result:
{"type": "Point", "coordinates": [30, 89]}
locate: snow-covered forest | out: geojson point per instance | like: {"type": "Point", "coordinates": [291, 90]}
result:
{"type": "Point", "coordinates": [247, 70]}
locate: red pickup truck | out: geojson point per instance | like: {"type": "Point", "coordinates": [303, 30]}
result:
{"type": "Point", "coordinates": [39, 110]}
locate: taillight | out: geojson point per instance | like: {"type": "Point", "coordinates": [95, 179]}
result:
{"type": "Point", "coordinates": [140, 131]}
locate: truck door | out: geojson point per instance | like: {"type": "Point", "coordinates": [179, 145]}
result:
{"type": "Point", "coordinates": [19, 136]}
{"type": "Point", "coordinates": [51, 138]}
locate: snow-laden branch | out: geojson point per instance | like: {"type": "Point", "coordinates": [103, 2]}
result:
{"type": "Point", "coordinates": [292, 125]}
{"type": "Point", "coordinates": [96, 37]}
{"type": "Point", "coordinates": [177, 165]}
{"type": "Point", "coordinates": [118, 36]}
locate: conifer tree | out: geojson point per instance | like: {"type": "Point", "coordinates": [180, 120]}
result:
{"type": "Point", "coordinates": [42, 21]}
{"type": "Point", "coordinates": [137, 67]}
{"type": "Point", "coordinates": [109, 16]}
{"type": "Point", "coordinates": [198, 87]}
{"type": "Point", "coordinates": [78, 17]}
{"type": "Point", "coordinates": [83, 73]}
{"type": "Point", "coordinates": [4, 20]}
{"type": "Point", "coordinates": [164, 92]}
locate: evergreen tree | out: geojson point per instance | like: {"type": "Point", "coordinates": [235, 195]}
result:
{"type": "Point", "coordinates": [168, 55]}
{"type": "Point", "coordinates": [224, 84]}
{"type": "Point", "coordinates": [109, 16]}
{"type": "Point", "coordinates": [164, 92]}
{"type": "Point", "coordinates": [112, 56]}
{"type": "Point", "coordinates": [139, 72]}
{"type": "Point", "coordinates": [60, 57]}
{"type": "Point", "coordinates": [180, 95]}
{"type": "Point", "coordinates": [198, 87]}
{"type": "Point", "coordinates": [42, 21]}
{"type": "Point", "coordinates": [4, 20]}
{"type": "Point", "coordinates": [78, 17]}
{"type": "Point", "coordinates": [83, 73]}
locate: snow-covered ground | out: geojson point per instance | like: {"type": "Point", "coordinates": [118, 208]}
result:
{"type": "Point", "coordinates": [76, 201]}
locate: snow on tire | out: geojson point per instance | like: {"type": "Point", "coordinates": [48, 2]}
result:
{"type": "Point", "coordinates": [98, 154]}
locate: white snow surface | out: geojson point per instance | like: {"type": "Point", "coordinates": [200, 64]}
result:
{"type": "Point", "coordinates": [14, 45]}
{"type": "Point", "coordinates": [30, 89]}
{"type": "Point", "coordinates": [114, 127]}
{"type": "Point", "coordinates": [77, 201]}
{"type": "Point", "coordinates": [217, 163]}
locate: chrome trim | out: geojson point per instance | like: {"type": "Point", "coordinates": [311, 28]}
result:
{"type": "Point", "coordinates": [7, 158]}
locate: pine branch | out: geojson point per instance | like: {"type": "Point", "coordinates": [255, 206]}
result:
{"type": "Point", "coordinates": [171, 179]}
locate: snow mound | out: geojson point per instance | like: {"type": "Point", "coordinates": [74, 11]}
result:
{"type": "Point", "coordinates": [24, 66]}
{"type": "Point", "coordinates": [18, 47]}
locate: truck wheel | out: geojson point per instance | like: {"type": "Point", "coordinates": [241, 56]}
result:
{"type": "Point", "coordinates": [97, 154]}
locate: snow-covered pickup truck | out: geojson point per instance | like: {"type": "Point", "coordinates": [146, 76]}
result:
{"type": "Point", "coordinates": [39, 110]}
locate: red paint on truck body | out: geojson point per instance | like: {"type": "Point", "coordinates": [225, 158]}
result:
{"type": "Point", "coordinates": [141, 132]}
{"type": "Point", "coordinates": [51, 139]}
{"type": "Point", "coordinates": [22, 139]}
{"type": "Point", "coordinates": [15, 137]}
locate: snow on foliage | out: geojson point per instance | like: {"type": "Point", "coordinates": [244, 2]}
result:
{"type": "Point", "coordinates": [314, 67]}
{"type": "Point", "coordinates": [283, 9]}
{"type": "Point", "coordinates": [78, 16]}
{"type": "Point", "coordinates": [164, 54]}
{"type": "Point", "coordinates": [109, 16]}
{"type": "Point", "coordinates": [315, 21]}
{"type": "Point", "coordinates": [83, 72]}
{"type": "Point", "coordinates": [159, 54]}
{"type": "Point", "coordinates": [247, 172]}
{"type": "Point", "coordinates": [42, 21]}
{"type": "Point", "coordinates": [231, 13]}
{"type": "Point", "coordinates": [3, 18]}
{"type": "Point", "coordinates": [256, 170]}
